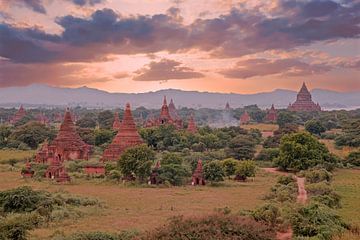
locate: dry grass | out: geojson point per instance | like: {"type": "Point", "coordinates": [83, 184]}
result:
{"type": "Point", "coordinates": [340, 152]}
{"type": "Point", "coordinates": [264, 127]}
{"type": "Point", "coordinates": [15, 154]}
{"type": "Point", "coordinates": [145, 208]}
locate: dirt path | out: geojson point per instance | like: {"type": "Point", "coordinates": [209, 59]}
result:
{"type": "Point", "coordinates": [301, 198]}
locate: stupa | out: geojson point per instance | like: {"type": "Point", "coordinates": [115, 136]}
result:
{"type": "Point", "coordinates": [117, 123]}
{"type": "Point", "coordinates": [164, 118]}
{"type": "Point", "coordinates": [197, 177]}
{"type": "Point", "coordinates": [20, 114]}
{"type": "Point", "coordinates": [173, 111]}
{"type": "Point", "coordinates": [245, 118]}
{"type": "Point", "coordinates": [271, 115]}
{"type": "Point", "coordinates": [304, 102]}
{"type": "Point", "coordinates": [191, 124]}
{"type": "Point", "coordinates": [126, 137]}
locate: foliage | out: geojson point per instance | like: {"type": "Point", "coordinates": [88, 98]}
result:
{"type": "Point", "coordinates": [5, 132]}
{"type": "Point", "coordinates": [268, 154]}
{"type": "Point", "coordinates": [87, 121]}
{"type": "Point", "coordinates": [103, 136]}
{"type": "Point", "coordinates": [316, 220]}
{"type": "Point", "coordinates": [284, 191]}
{"type": "Point", "coordinates": [217, 226]}
{"type": "Point", "coordinates": [106, 119]}
{"type": "Point", "coordinates": [351, 134]}
{"type": "Point", "coordinates": [241, 147]}
{"type": "Point", "coordinates": [173, 173]}
{"type": "Point", "coordinates": [137, 161]}
{"type": "Point", "coordinates": [300, 151]}
{"type": "Point", "coordinates": [316, 175]}
{"type": "Point", "coordinates": [315, 127]}
{"type": "Point", "coordinates": [285, 118]}
{"type": "Point", "coordinates": [269, 214]}
{"type": "Point", "coordinates": [99, 236]}
{"type": "Point", "coordinates": [354, 158]}
{"type": "Point", "coordinates": [229, 166]}
{"type": "Point", "coordinates": [323, 193]}
{"type": "Point", "coordinates": [246, 169]}
{"type": "Point", "coordinates": [16, 226]}
{"type": "Point", "coordinates": [213, 171]}
{"type": "Point", "coordinates": [32, 134]}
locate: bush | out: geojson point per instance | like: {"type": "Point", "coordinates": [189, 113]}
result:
{"type": "Point", "coordinates": [217, 226]}
{"type": "Point", "coordinates": [16, 226]}
{"type": "Point", "coordinates": [100, 236]}
{"type": "Point", "coordinates": [229, 166]}
{"type": "Point", "coordinates": [284, 191]}
{"type": "Point", "coordinates": [317, 220]}
{"type": "Point", "coordinates": [324, 193]}
{"type": "Point", "coordinates": [268, 154]}
{"type": "Point", "coordinates": [315, 127]}
{"type": "Point", "coordinates": [354, 158]}
{"type": "Point", "coordinates": [245, 169]}
{"type": "Point", "coordinates": [213, 171]}
{"type": "Point", "coordinates": [269, 214]}
{"type": "Point", "coordinates": [316, 175]}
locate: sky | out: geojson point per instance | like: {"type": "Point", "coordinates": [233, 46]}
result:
{"type": "Point", "coordinates": [204, 45]}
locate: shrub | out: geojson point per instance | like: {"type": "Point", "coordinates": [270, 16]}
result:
{"type": "Point", "coordinates": [315, 127]}
{"type": "Point", "coordinates": [16, 226]}
{"type": "Point", "coordinates": [213, 171]}
{"type": "Point", "coordinates": [317, 220]}
{"type": "Point", "coordinates": [323, 193]}
{"type": "Point", "coordinates": [246, 169]}
{"type": "Point", "coordinates": [354, 158]}
{"type": "Point", "coordinates": [269, 214]}
{"type": "Point", "coordinates": [268, 154]}
{"type": "Point", "coordinates": [284, 191]}
{"type": "Point", "coordinates": [100, 236]}
{"type": "Point", "coordinates": [216, 226]}
{"type": "Point", "coordinates": [316, 175]}
{"type": "Point", "coordinates": [229, 166]}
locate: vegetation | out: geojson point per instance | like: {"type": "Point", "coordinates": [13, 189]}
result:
{"type": "Point", "coordinates": [213, 171]}
{"type": "Point", "coordinates": [245, 169]}
{"type": "Point", "coordinates": [315, 127]}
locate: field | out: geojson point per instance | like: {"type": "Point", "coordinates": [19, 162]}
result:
{"type": "Point", "coordinates": [264, 127]}
{"type": "Point", "coordinates": [135, 208]}
{"type": "Point", "coordinates": [341, 152]}
{"type": "Point", "coordinates": [14, 154]}
{"type": "Point", "coordinates": [347, 184]}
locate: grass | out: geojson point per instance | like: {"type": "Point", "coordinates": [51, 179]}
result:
{"type": "Point", "coordinates": [264, 127]}
{"type": "Point", "coordinates": [135, 208]}
{"type": "Point", "coordinates": [340, 152]}
{"type": "Point", "coordinates": [6, 154]}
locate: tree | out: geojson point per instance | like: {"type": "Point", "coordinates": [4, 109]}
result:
{"type": "Point", "coordinates": [351, 134]}
{"type": "Point", "coordinates": [103, 136]}
{"type": "Point", "coordinates": [241, 147]}
{"type": "Point", "coordinates": [354, 158]}
{"type": "Point", "coordinates": [300, 151]}
{"type": "Point", "coordinates": [213, 171]}
{"type": "Point", "coordinates": [32, 134]}
{"type": "Point", "coordinates": [136, 162]}
{"type": "Point", "coordinates": [245, 169]}
{"type": "Point", "coordinates": [314, 127]}
{"type": "Point", "coordinates": [88, 121]}
{"type": "Point", "coordinates": [5, 132]}
{"type": "Point", "coordinates": [285, 118]}
{"type": "Point", "coordinates": [229, 166]}
{"type": "Point", "coordinates": [172, 170]}
{"type": "Point", "coordinates": [106, 119]}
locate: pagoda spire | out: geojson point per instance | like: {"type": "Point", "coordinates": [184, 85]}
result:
{"type": "Point", "coordinates": [191, 124]}
{"type": "Point", "coordinates": [117, 123]}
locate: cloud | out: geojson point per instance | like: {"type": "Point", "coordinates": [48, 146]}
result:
{"type": "Point", "coordinates": [165, 69]}
{"type": "Point", "coordinates": [35, 5]}
{"type": "Point", "coordinates": [263, 67]}
{"type": "Point", "coordinates": [120, 75]}
{"type": "Point", "coordinates": [53, 74]}
{"type": "Point", "coordinates": [87, 2]}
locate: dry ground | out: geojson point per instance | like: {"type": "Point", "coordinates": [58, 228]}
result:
{"type": "Point", "coordinates": [134, 208]}
{"type": "Point", "coordinates": [341, 152]}
{"type": "Point", "coordinates": [264, 127]}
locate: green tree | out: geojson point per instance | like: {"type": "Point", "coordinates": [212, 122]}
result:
{"type": "Point", "coordinates": [246, 169]}
{"type": "Point", "coordinates": [241, 147]}
{"type": "Point", "coordinates": [32, 134]}
{"type": "Point", "coordinates": [354, 158]}
{"type": "Point", "coordinates": [285, 118]}
{"type": "Point", "coordinates": [229, 166]}
{"type": "Point", "coordinates": [5, 132]}
{"type": "Point", "coordinates": [213, 171]}
{"type": "Point", "coordinates": [136, 162]}
{"type": "Point", "coordinates": [315, 127]}
{"type": "Point", "coordinates": [103, 136]}
{"type": "Point", "coordinates": [300, 151]}
{"type": "Point", "coordinates": [172, 169]}
{"type": "Point", "coordinates": [106, 119]}
{"type": "Point", "coordinates": [88, 121]}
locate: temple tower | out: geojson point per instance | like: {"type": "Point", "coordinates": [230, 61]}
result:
{"type": "Point", "coordinates": [191, 124]}
{"type": "Point", "coordinates": [245, 118]}
{"type": "Point", "coordinates": [20, 114]}
{"type": "Point", "coordinates": [197, 177]}
{"type": "Point", "coordinates": [304, 101]}
{"type": "Point", "coordinates": [271, 115]}
{"type": "Point", "coordinates": [117, 123]}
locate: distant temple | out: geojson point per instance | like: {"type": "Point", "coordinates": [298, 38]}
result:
{"type": "Point", "coordinates": [165, 117]}
{"type": "Point", "coordinates": [245, 118]}
{"type": "Point", "coordinates": [126, 137]}
{"type": "Point", "coordinates": [20, 114]}
{"type": "Point", "coordinates": [41, 118]}
{"type": "Point", "coordinates": [191, 124]}
{"type": "Point", "coordinates": [227, 106]}
{"type": "Point", "coordinates": [57, 171]}
{"type": "Point", "coordinates": [117, 123]}
{"type": "Point", "coordinates": [197, 177]}
{"type": "Point", "coordinates": [173, 112]}
{"type": "Point", "coordinates": [271, 115]}
{"type": "Point", "coordinates": [67, 145]}
{"type": "Point", "coordinates": [304, 102]}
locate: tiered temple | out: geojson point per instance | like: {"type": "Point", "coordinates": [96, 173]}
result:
{"type": "Point", "coordinates": [304, 102]}
{"type": "Point", "coordinates": [191, 124]}
{"type": "Point", "coordinates": [57, 171]}
{"type": "Point", "coordinates": [117, 123]}
{"type": "Point", "coordinates": [173, 111]}
{"type": "Point", "coordinates": [164, 118]}
{"type": "Point", "coordinates": [197, 177]}
{"type": "Point", "coordinates": [20, 114]}
{"type": "Point", "coordinates": [126, 137]}
{"type": "Point", "coordinates": [245, 118]}
{"type": "Point", "coordinates": [67, 145]}
{"type": "Point", "coordinates": [271, 115]}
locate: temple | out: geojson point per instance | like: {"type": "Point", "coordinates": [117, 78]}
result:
{"type": "Point", "coordinates": [304, 102]}
{"type": "Point", "coordinates": [245, 118]}
{"type": "Point", "coordinates": [41, 118]}
{"type": "Point", "coordinates": [67, 145]}
{"type": "Point", "coordinates": [57, 171]}
{"type": "Point", "coordinates": [173, 111]}
{"type": "Point", "coordinates": [154, 177]}
{"type": "Point", "coordinates": [20, 114]}
{"type": "Point", "coordinates": [227, 107]}
{"type": "Point", "coordinates": [197, 177]}
{"type": "Point", "coordinates": [126, 137]}
{"type": "Point", "coordinates": [191, 124]}
{"type": "Point", "coordinates": [165, 117]}
{"type": "Point", "coordinates": [27, 172]}
{"type": "Point", "coordinates": [271, 115]}
{"type": "Point", "coordinates": [117, 123]}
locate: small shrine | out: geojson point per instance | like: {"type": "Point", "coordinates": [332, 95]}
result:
{"type": "Point", "coordinates": [271, 115]}
{"type": "Point", "coordinates": [245, 118]}
{"type": "Point", "coordinates": [57, 171]}
{"type": "Point", "coordinates": [197, 177]}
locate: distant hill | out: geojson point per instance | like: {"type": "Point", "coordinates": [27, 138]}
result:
{"type": "Point", "coordinates": [46, 96]}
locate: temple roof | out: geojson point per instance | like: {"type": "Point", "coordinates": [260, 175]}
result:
{"type": "Point", "coordinates": [191, 124]}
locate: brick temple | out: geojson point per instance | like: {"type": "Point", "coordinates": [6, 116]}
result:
{"type": "Point", "coordinates": [192, 128]}
{"type": "Point", "coordinates": [67, 145]}
{"type": "Point", "coordinates": [271, 115]}
{"type": "Point", "coordinates": [245, 118]}
{"type": "Point", "coordinates": [197, 177]}
{"type": "Point", "coordinates": [126, 137]}
{"type": "Point", "coordinates": [117, 123]}
{"type": "Point", "coordinates": [165, 117]}
{"type": "Point", "coordinates": [20, 114]}
{"type": "Point", "coordinates": [304, 102]}
{"type": "Point", "coordinates": [57, 171]}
